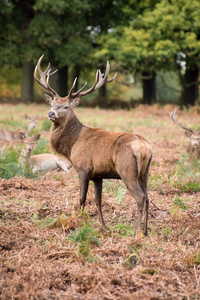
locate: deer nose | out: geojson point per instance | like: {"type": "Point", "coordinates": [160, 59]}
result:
{"type": "Point", "coordinates": [195, 144]}
{"type": "Point", "coordinates": [29, 149]}
{"type": "Point", "coordinates": [51, 114]}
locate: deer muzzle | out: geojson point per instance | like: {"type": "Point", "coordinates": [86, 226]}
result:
{"type": "Point", "coordinates": [52, 115]}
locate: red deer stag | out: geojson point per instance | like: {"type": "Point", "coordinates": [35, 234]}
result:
{"type": "Point", "coordinates": [194, 146]}
{"type": "Point", "coordinates": [95, 153]}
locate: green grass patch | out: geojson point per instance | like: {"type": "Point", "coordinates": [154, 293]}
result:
{"type": "Point", "coordinates": [155, 180]}
{"type": "Point", "coordinates": [10, 167]}
{"type": "Point", "coordinates": [46, 222]}
{"type": "Point", "coordinates": [123, 229]}
{"type": "Point", "coordinates": [187, 174]}
{"type": "Point", "coordinates": [42, 146]}
{"type": "Point", "coordinates": [46, 125]}
{"type": "Point", "coordinates": [116, 189]}
{"type": "Point", "coordinates": [178, 202]}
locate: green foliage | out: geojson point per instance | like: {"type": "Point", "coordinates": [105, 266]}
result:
{"type": "Point", "coordinates": [115, 188]}
{"type": "Point", "coordinates": [150, 271]}
{"type": "Point", "coordinates": [155, 180]}
{"type": "Point", "coordinates": [123, 229]}
{"type": "Point", "coordinates": [195, 259]}
{"type": "Point", "coordinates": [46, 125]}
{"type": "Point", "coordinates": [9, 166]}
{"type": "Point", "coordinates": [46, 222]}
{"type": "Point", "coordinates": [179, 202]}
{"type": "Point", "coordinates": [169, 90]}
{"type": "Point", "coordinates": [42, 146]}
{"type": "Point", "coordinates": [85, 236]}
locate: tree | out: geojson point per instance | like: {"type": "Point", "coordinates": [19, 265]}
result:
{"type": "Point", "coordinates": [156, 36]}
{"type": "Point", "coordinates": [32, 27]}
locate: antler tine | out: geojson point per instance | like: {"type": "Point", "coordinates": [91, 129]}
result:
{"type": "Point", "coordinates": [44, 77]}
{"type": "Point", "coordinates": [173, 117]}
{"type": "Point", "coordinates": [100, 80]}
{"type": "Point", "coordinates": [104, 78]}
{"type": "Point", "coordinates": [78, 93]}
{"type": "Point", "coordinates": [73, 95]}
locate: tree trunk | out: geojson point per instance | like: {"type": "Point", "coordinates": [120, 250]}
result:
{"type": "Point", "coordinates": [149, 88]}
{"type": "Point", "coordinates": [63, 81]}
{"type": "Point", "coordinates": [59, 81]}
{"type": "Point", "coordinates": [190, 92]}
{"type": "Point", "coordinates": [27, 82]}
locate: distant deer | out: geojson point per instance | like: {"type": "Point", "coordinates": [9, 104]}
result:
{"type": "Point", "coordinates": [13, 135]}
{"type": "Point", "coordinates": [95, 153]}
{"type": "Point", "coordinates": [41, 162]}
{"type": "Point", "coordinates": [194, 146]}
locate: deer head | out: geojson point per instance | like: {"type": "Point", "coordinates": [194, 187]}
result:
{"type": "Point", "coordinates": [29, 142]}
{"type": "Point", "coordinates": [194, 136]}
{"type": "Point", "coordinates": [61, 105]}
{"type": "Point", "coordinates": [32, 123]}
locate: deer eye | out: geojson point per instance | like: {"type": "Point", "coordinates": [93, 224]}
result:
{"type": "Point", "coordinates": [66, 107]}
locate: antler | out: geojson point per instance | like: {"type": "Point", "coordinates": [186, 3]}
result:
{"type": "Point", "coordinates": [100, 80]}
{"type": "Point", "coordinates": [44, 77]}
{"type": "Point", "coordinates": [173, 117]}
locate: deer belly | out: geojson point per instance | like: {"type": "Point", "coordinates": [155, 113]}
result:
{"type": "Point", "coordinates": [104, 170]}
{"type": "Point", "coordinates": [41, 163]}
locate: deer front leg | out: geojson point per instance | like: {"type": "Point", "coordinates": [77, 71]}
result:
{"type": "Point", "coordinates": [98, 193]}
{"type": "Point", "coordinates": [84, 182]}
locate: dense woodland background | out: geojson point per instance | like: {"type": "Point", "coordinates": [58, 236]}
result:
{"type": "Point", "coordinates": [154, 45]}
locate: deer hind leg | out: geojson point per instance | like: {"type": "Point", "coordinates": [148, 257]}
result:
{"type": "Point", "coordinates": [98, 194]}
{"type": "Point", "coordinates": [143, 184]}
{"type": "Point", "coordinates": [143, 181]}
{"type": "Point", "coordinates": [84, 182]}
{"type": "Point", "coordinates": [129, 175]}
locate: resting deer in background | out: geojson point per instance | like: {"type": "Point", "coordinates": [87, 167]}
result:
{"type": "Point", "coordinates": [95, 153]}
{"type": "Point", "coordinates": [41, 162]}
{"type": "Point", "coordinates": [194, 146]}
{"type": "Point", "coordinates": [13, 135]}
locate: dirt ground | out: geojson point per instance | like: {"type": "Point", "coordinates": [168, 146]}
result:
{"type": "Point", "coordinates": [38, 260]}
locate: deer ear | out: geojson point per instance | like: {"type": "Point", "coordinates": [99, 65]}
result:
{"type": "Point", "coordinates": [48, 98]}
{"type": "Point", "coordinates": [75, 102]}
{"type": "Point", "coordinates": [188, 134]}
{"type": "Point", "coordinates": [37, 137]}
{"type": "Point", "coordinates": [27, 117]}
{"type": "Point", "coordinates": [22, 136]}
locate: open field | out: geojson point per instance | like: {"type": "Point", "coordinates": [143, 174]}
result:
{"type": "Point", "coordinates": [50, 250]}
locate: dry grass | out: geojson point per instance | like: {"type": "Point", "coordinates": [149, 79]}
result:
{"type": "Point", "coordinates": [38, 260]}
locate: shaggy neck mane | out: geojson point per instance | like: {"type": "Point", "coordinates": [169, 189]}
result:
{"type": "Point", "coordinates": [63, 137]}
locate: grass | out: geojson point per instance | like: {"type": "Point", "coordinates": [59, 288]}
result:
{"type": "Point", "coordinates": [9, 165]}
{"type": "Point", "coordinates": [115, 188]}
{"type": "Point", "coordinates": [187, 174]}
